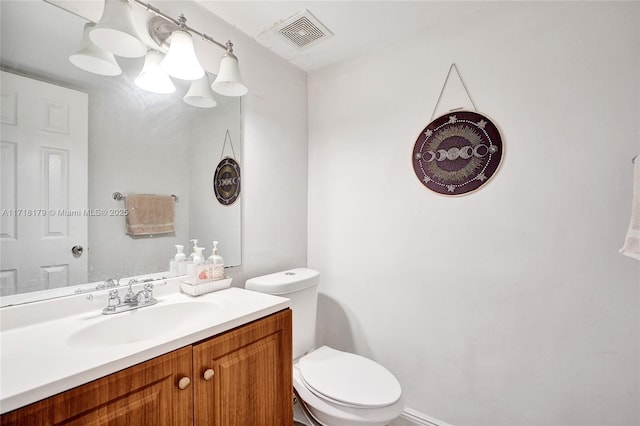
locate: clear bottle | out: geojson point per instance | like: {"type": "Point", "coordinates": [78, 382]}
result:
{"type": "Point", "coordinates": [193, 250]}
{"type": "Point", "coordinates": [189, 264]}
{"type": "Point", "coordinates": [216, 263]}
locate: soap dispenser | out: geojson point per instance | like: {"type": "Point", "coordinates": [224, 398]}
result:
{"type": "Point", "coordinates": [198, 257]}
{"type": "Point", "coordinates": [193, 250]}
{"type": "Point", "coordinates": [177, 265]}
{"type": "Point", "coordinates": [180, 256]}
{"type": "Point", "coordinates": [216, 262]}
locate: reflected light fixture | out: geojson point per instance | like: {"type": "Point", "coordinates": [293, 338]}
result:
{"type": "Point", "coordinates": [181, 60]}
{"type": "Point", "coordinates": [152, 78]}
{"type": "Point", "coordinates": [115, 31]}
{"type": "Point", "coordinates": [229, 81]}
{"type": "Point", "coordinates": [90, 57]}
{"type": "Point", "coordinates": [199, 94]}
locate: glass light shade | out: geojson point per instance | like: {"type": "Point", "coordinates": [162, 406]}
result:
{"type": "Point", "coordinates": [115, 31]}
{"type": "Point", "coordinates": [152, 78]}
{"type": "Point", "coordinates": [199, 94]}
{"type": "Point", "coordinates": [181, 61]}
{"type": "Point", "coordinates": [90, 57]}
{"type": "Point", "coordinates": [229, 81]}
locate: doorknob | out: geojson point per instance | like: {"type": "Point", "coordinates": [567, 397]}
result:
{"type": "Point", "coordinates": [77, 251]}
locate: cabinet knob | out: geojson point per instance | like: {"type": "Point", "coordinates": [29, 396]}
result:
{"type": "Point", "coordinates": [208, 374]}
{"type": "Point", "coordinates": [184, 383]}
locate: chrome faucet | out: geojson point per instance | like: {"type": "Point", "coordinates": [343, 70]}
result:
{"type": "Point", "coordinates": [131, 301]}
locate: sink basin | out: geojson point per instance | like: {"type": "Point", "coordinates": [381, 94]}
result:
{"type": "Point", "coordinates": [141, 324]}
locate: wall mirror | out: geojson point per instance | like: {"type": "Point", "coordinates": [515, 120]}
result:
{"type": "Point", "coordinates": [138, 142]}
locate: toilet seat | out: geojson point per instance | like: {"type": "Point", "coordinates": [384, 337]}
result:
{"type": "Point", "coordinates": [347, 379]}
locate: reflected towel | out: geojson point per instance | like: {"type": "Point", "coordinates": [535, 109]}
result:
{"type": "Point", "coordinates": [149, 214]}
{"type": "Point", "coordinates": [631, 246]}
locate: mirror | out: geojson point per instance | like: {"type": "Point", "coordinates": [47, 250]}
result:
{"type": "Point", "coordinates": [138, 143]}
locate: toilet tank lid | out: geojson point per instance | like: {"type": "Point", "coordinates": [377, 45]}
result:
{"type": "Point", "coordinates": [284, 282]}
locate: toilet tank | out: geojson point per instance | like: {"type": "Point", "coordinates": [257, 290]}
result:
{"type": "Point", "coordinates": [301, 287]}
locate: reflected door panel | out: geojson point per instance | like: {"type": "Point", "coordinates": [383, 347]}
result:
{"type": "Point", "coordinates": [43, 185]}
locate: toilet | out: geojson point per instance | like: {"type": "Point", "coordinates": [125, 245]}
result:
{"type": "Point", "coordinates": [336, 388]}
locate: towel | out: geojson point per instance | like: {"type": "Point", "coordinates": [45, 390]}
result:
{"type": "Point", "coordinates": [631, 245]}
{"type": "Point", "coordinates": [149, 214]}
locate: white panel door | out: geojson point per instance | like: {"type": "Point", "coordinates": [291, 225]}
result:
{"type": "Point", "coordinates": [43, 185]}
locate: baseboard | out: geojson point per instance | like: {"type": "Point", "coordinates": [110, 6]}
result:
{"type": "Point", "coordinates": [410, 417]}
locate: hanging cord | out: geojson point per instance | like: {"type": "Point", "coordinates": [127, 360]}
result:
{"type": "Point", "coordinates": [227, 135]}
{"type": "Point", "coordinates": [446, 80]}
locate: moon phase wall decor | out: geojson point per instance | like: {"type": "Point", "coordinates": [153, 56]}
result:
{"type": "Point", "coordinates": [457, 153]}
{"type": "Point", "coordinates": [226, 181]}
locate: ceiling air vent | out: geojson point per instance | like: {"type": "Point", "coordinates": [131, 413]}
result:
{"type": "Point", "coordinates": [303, 29]}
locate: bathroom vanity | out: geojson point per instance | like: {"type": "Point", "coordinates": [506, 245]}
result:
{"type": "Point", "coordinates": [228, 363]}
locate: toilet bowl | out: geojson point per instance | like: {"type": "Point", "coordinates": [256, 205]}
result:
{"type": "Point", "coordinates": [336, 388]}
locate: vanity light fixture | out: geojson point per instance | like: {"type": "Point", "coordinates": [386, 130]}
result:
{"type": "Point", "coordinates": [229, 74]}
{"type": "Point", "coordinates": [181, 61]}
{"type": "Point", "coordinates": [152, 78]}
{"type": "Point", "coordinates": [90, 57]}
{"type": "Point", "coordinates": [115, 31]}
{"type": "Point", "coordinates": [116, 34]}
{"type": "Point", "coordinates": [229, 81]}
{"type": "Point", "coordinates": [199, 94]}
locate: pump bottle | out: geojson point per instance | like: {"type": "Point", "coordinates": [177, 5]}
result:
{"type": "Point", "coordinates": [216, 263]}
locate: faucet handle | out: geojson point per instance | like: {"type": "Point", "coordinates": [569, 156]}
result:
{"type": "Point", "coordinates": [112, 282]}
{"type": "Point", "coordinates": [130, 296]}
{"type": "Point", "coordinates": [148, 289]}
{"type": "Point", "coordinates": [114, 298]}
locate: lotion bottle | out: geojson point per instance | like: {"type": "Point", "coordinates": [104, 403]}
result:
{"type": "Point", "coordinates": [190, 267]}
{"type": "Point", "coordinates": [181, 260]}
{"type": "Point", "coordinates": [193, 250]}
{"type": "Point", "coordinates": [216, 262]}
{"type": "Point", "coordinates": [200, 271]}
{"type": "Point", "coordinates": [178, 259]}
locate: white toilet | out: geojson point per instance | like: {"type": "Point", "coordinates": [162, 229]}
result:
{"type": "Point", "coordinates": [337, 388]}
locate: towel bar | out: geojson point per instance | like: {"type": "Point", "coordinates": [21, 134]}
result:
{"type": "Point", "coordinates": [119, 196]}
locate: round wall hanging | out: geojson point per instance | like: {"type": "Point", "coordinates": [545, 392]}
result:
{"type": "Point", "coordinates": [457, 153]}
{"type": "Point", "coordinates": [226, 181]}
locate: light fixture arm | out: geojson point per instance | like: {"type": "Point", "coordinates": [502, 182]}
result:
{"type": "Point", "coordinates": [182, 23]}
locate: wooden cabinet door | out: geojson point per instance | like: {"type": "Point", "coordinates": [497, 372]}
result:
{"type": "Point", "coordinates": [251, 382]}
{"type": "Point", "coordinates": [145, 394]}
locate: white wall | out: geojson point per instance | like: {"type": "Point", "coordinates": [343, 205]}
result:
{"type": "Point", "coordinates": [509, 306]}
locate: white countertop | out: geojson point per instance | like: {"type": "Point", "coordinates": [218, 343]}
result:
{"type": "Point", "coordinates": [39, 358]}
